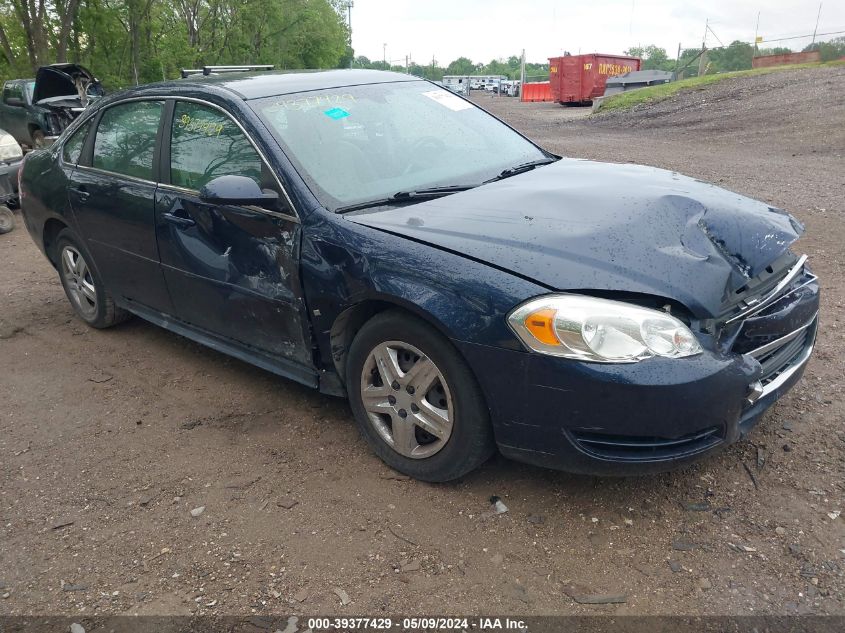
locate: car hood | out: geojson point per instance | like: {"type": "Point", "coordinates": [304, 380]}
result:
{"type": "Point", "coordinates": [584, 225]}
{"type": "Point", "coordinates": [65, 84]}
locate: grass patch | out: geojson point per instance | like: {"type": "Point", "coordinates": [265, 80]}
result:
{"type": "Point", "coordinates": [655, 94]}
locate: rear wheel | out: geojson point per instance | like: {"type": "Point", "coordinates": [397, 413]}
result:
{"type": "Point", "coordinates": [83, 286]}
{"type": "Point", "coordinates": [416, 401]}
{"type": "Point", "coordinates": [7, 220]}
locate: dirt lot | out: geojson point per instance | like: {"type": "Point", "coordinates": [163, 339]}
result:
{"type": "Point", "coordinates": [109, 439]}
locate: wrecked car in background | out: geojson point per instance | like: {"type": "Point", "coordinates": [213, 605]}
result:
{"type": "Point", "coordinates": [371, 235]}
{"type": "Point", "coordinates": [36, 111]}
{"type": "Point", "coordinates": [10, 162]}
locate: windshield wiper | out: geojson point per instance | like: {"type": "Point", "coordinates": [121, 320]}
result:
{"type": "Point", "coordinates": [518, 169]}
{"type": "Point", "coordinates": [404, 197]}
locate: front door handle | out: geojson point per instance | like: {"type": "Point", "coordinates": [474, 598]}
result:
{"type": "Point", "coordinates": [179, 220]}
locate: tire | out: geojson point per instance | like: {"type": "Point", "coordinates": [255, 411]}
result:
{"type": "Point", "coordinates": [83, 286]}
{"type": "Point", "coordinates": [38, 139]}
{"type": "Point", "coordinates": [7, 220]}
{"type": "Point", "coordinates": [434, 436]}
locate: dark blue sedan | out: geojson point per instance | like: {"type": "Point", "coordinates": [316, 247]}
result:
{"type": "Point", "coordinates": [374, 236]}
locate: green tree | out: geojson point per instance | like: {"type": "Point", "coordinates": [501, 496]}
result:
{"type": "Point", "coordinates": [777, 50]}
{"type": "Point", "coordinates": [461, 66]}
{"type": "Point", "coordinates": [496, 67]}
{"type": "Point", "coordinates": [133, 41]}
{"type": "Point", "coordinates": [834, 49]}
{"type": "Point", "coordinates": [43, 31]}
{"type": "Point", "coordinates": [654, 57]}
{"type": "Point", "coordinates": [737, 56]}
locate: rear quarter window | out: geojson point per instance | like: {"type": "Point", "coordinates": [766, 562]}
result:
{"type": "Point", "coordinates": [72, 149]}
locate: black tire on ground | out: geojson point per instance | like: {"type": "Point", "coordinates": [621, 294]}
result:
{"type": "Point", "coordinates": [7, 220]}
{"type": "Point", "coordinates": [103, 312]}
{"type": "Point", "coordinates": [471, 441]}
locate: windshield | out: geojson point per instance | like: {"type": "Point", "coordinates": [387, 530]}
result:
{"type": "Point", "coordinates": [366, 143]}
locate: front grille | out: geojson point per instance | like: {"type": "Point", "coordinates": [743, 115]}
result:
{"type": "Point", "coordinates": [639, 449]}
{"type": "Point", "coordinates": [760, 296]}
{"type": "Point", "coordinates": [776, 327]}
{"type": "Point", "coordinates": [777, 361]}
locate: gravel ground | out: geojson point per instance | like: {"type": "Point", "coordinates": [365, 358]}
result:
{"type": "Point", "coordinates": [109, 440]}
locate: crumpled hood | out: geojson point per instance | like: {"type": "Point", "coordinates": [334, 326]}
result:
{"type": "Point", "coordinates": [70, 81]}
{"type": "Point", "coordinates": [584, 225]}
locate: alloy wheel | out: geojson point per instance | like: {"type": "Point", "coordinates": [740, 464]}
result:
{"type": "Point", "coordinates": [79, 282]}
{"type": "Point", "coordinates": [407, 399]}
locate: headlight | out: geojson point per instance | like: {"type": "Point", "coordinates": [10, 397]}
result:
{"type": "Point", "coordinates": [600, 330]}
{"type": "Point", "coordinates": [9, 148]}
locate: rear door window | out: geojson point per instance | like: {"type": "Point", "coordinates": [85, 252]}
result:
{"type": "Point", "coordinates": [206, 143]}
{"type": "Point", "coordinates": [126, 139]}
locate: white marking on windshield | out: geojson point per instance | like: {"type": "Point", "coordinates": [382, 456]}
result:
{"type": "Point", "coordinates": [448, 99]}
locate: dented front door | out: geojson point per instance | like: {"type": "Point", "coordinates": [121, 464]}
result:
{"type": "Point", "coordinates": [230, 270]}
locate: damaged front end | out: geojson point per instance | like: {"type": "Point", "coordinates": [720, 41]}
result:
{"type": "Point", "coordinates": [65, 90]}
{"type": "Point", "coordinates": [773, 319]}
{"type": "Point", "coordinates": [719, 262]}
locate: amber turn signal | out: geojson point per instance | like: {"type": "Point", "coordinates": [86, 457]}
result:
{"type": "Point", "coordinates": [541, 324]}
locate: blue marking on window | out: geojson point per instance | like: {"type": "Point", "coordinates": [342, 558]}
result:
{"type": "Point", "coordinates": [336, 113]}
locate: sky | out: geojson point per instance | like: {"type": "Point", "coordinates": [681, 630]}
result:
{"type": "Point", "coordinates": [491, 29]}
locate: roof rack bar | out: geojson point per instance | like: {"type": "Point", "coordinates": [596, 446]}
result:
{"type": "Point", "coordinates": [207, 70]}
{"type": "Point", "coordinates": [186, 72]}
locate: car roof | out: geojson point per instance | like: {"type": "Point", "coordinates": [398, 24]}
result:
{"type": "Point", "coordinates": [255, 85]}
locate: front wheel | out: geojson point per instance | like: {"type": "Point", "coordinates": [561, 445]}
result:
{"type": "Point", "coordinates": [415, 400]}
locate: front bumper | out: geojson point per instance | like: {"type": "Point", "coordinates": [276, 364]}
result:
{"type": "Point", "coordinates": [639, 418]}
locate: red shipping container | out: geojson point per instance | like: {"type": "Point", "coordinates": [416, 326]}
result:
{"type": "Point", "coordinates": [581, 78]}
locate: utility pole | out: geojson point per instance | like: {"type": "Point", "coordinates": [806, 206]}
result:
{"type": "Point", "coordinates": [384, 53]}
{"type": "Point", "coordinates": [756, 35]}
{"type": "Point", "coordinates": [521, 73]}
{"type": "Point", "coordinates": [678, 58]}
{"type": "Point", "coordinates": [349, 5]}
{"type": "Point", "coordinates": [407, 66]}
{"type": "Point", "coordinates": [702, 63]}
{"type": "Point", "coordinates": [816, 30]}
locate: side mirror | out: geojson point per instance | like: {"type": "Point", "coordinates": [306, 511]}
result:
{"type": "Point", "coordinates": [238, 190]}
{"type": "Point", "coordinates": [16, 102]}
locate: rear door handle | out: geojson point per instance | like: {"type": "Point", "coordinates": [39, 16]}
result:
{"type": "Point", "coordinates": [81, 192]}
{"type": "Point", "coordinates": [178, 220]}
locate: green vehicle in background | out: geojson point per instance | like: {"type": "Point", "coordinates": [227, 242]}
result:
{"type": "Point", "coordinates": [36, 111]}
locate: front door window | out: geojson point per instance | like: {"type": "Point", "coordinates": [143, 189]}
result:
{"type": "Point", "coordinates": [205, 144]}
